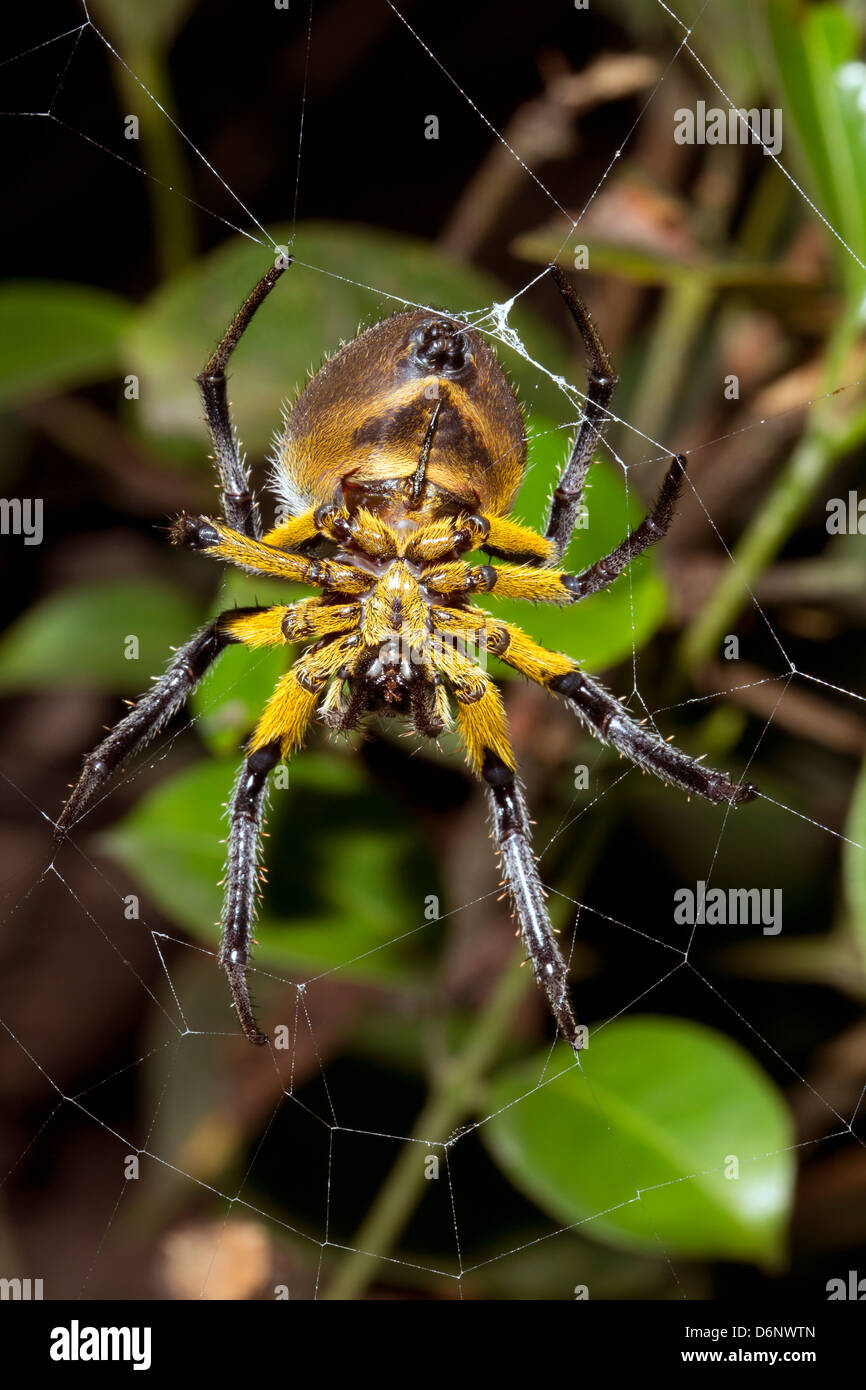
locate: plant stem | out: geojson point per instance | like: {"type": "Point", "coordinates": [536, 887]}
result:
{"type": "Point", "coordinates": [173, 220]}
{"type": "Point", "coordinates": [452, 1097]}
{"type": "Point", "coordinates": [683, 310]}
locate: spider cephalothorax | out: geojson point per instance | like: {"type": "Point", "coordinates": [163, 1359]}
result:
{"type": "Point", "coordinates": [402, 455]}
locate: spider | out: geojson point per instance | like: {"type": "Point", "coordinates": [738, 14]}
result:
{"type": "Point", "coordinates": [402, 454]}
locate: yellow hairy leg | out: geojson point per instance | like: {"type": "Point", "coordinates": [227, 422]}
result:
{"type": "Point", "coordinates": [459, 622]}
{"type": "Point", "coordinates": [457, 578]}
{"type": "Point", "coordinates": [512, 645]}
{"type": "Point", "coordinates": [537, 584]}
{"type": "Point", "coordinates": [254, 555]}
{"type": "Point", "coordinates": [480, 713]}
{"type": "Point", "coordinates": [292, 532]}
{"type": "Point", "coordinates": [515, 541]}
{"type": "Point", "coordinates": [293, 622]}
{"type": "Point", "coordinates": [500, 535]}
{"type": "Point", "coordinates": [257, 629]}
{"type": "Point", "coordinates": [531, 582]}
{"type": "Point", "coordinates": [288, 712]}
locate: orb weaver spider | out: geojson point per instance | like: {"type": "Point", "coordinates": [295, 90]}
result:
{"type": "Point", "coordinates": [402, 454]}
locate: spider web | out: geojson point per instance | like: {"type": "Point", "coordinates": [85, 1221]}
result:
{"type": "Point", "coordinates": [329, 1120]}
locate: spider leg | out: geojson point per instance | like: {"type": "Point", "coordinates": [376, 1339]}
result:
{"type": "Point", "coordinates": [280, 730]}
{"type": "Point", "coordinates": [650, 530]}
{"type": "Point", "coordinates": [239, 507]}
{"type": "Point", "coordinates": [543, 584]}
{"type": "Point", "coordinates": [223, 542]}
{"type": "Point", "coordinates": [520, 876]}
{"type": "Point", "coordinates": [482, 724]}
{"type": "Point", "coordinates": [603, 715]}
{"type": "Point", "coordinates": [601, 384]}
{"type": "Point", "coordinates": [246, 810]}
{"type": "Point", "coordinates": [150, 713]}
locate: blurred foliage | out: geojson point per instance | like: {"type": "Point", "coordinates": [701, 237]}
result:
{"type": "Point", "coordinates": [338, 845]}
{"type": "Point", "coordinates": [723, 36]}
{"type": "Point", "coordinates": [133, 27]}
{"type": "Point", "coordinates": [55, 336]}
{"type": "Point", "coordinates": [667, 267]}
{"type": "Point", "coordinates": [98, 636]}
{"type": "Point", "coordinates": [852, 860]}
{"type": "Point", "coordinates": [822, 85]}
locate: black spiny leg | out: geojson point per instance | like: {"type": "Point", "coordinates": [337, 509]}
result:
{"type": "Point", "coordinates": [145, 719]}
{"type": "Point", "coordinates": [651, 529]}
{"type": "Point", "coordinates": [600, 386]}
{"type": "Point", "coordinates": [245, 814]}
{"type": "Point", "coordinates": [239, 507]}
{"type": "Point", "coordinates": [519, 872]}
{"type": "Point", "coordinates": [605, 717]}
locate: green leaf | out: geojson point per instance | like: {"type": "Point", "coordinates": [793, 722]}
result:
{"type": "Point", "coordinates": [345, 870]}
{"type": "Point", "coordinates": [854, 860]}
{"type": "Point", "coordinates": [659, 1105]}
{"type": "Point", "coordinates": [815, 51]}
{"type": "Point", "coordinates": [80, 636]}
{"type": "Point", "coordinates": [607, 627]}
{"type": "Point", "coordinates": [305, 318]}
{"type": "Point", "coordinates": [54, 336]}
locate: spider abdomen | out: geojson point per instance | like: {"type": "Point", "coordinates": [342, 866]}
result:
{"type": "Point", "coordinates": [362, 420]}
